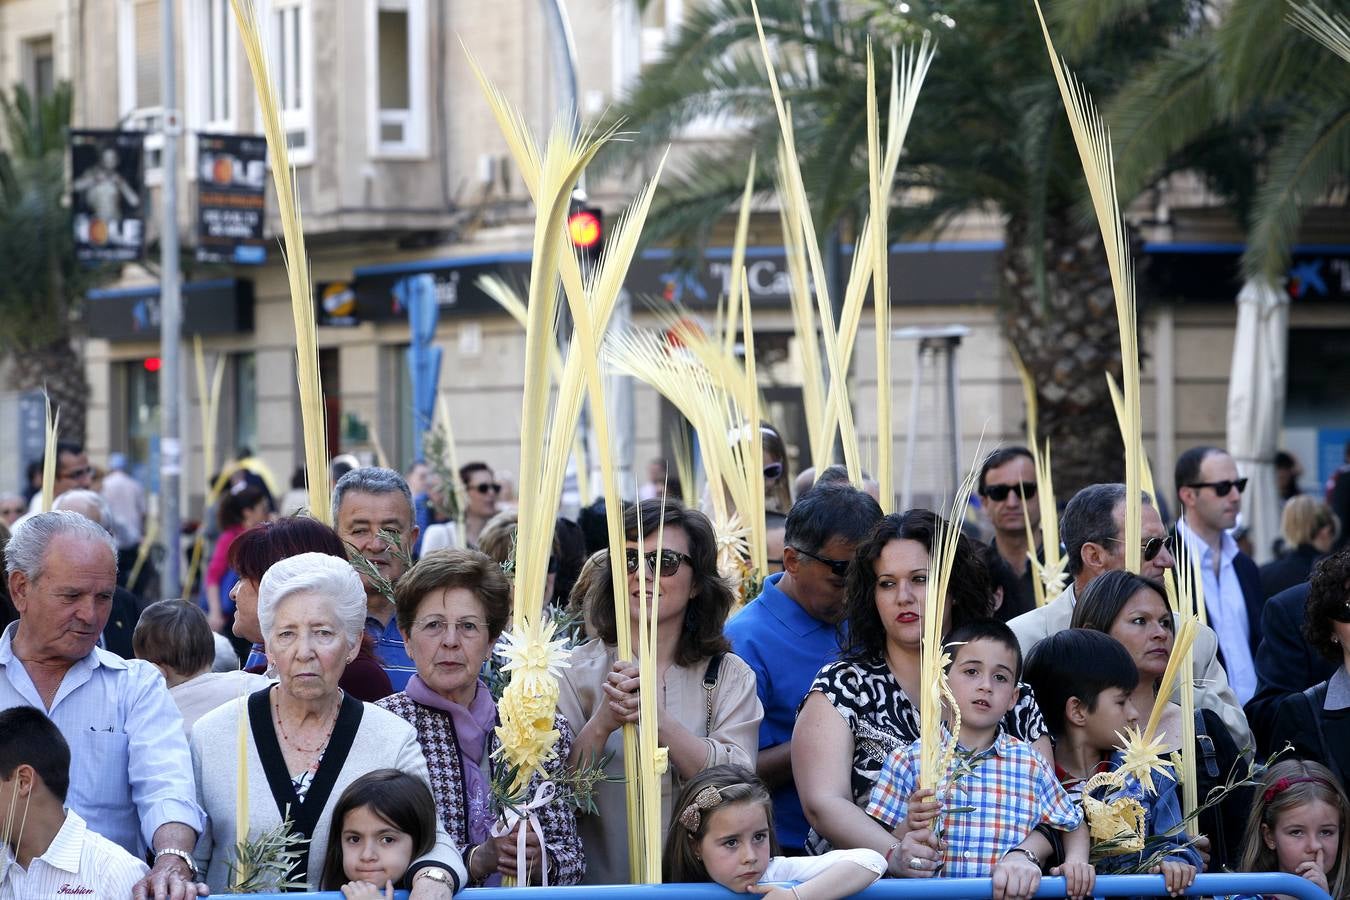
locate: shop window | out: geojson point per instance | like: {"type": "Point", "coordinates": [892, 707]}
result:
{"type": "Point", "coordinates": [244, 400]}
{"type": "Point", "coordinates": [397, 32]}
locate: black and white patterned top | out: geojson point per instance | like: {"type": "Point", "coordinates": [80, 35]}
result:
{"type": "Point", "coordinates": [882, 717]}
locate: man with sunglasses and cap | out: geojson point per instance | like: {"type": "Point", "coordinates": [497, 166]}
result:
{"type": "Point", "coordinates": [788, 633]}
{"type": "Point", "coordinates": [1007, 489]}
{"type": "Point", "coordinates": [1210, 492]}
{"type": "Point", "coordinates": [1092, 527]}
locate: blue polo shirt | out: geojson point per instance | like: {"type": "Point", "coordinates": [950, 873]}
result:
{"type": "Point", "coordinates": [786, 647]}
{"type": "Point", "coordinates": [391, 653]}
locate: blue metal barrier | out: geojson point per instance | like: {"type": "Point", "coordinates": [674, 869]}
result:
{"type": "Point", "coordinates": [1216, 885]}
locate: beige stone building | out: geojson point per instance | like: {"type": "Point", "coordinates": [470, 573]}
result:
{"type": "Point", "coordinates": [401, 171]}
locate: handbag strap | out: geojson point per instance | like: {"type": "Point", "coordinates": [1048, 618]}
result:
{"type": "Point", "coordinates": [709, 685]}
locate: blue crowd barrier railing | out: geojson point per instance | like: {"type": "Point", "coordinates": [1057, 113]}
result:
{"type": "Point", "coordinates": [1214, 885]}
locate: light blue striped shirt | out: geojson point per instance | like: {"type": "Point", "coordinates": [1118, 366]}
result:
{"type": "Point", "coordinates": [130, 770]}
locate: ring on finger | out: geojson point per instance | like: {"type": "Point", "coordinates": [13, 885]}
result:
{"type": "Point", "coordinates": [916, 862]}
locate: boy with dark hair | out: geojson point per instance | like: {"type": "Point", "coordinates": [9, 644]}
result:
{"type": "Point", "coordinates": [1082, 680]}
{"type": "Point", "coordinates": [50, 850]}
{"type": "Point", "coordinates": [1007, 788]}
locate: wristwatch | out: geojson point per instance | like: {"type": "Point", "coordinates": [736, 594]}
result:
{"type": "Point", "coordinates": [432, 873]}
{"type": "Point", "coordinates": [1030, 854]}
{"type": "Point", "coordinates": [180, 854]}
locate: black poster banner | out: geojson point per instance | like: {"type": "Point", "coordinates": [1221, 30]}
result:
{"type": "Point", "coordinates": [107, 195]}
{"type": "Point", "coordinates": [231, 179]}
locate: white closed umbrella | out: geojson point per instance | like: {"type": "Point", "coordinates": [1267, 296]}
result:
{"type": "Point", "coordinates": [1256, 405]}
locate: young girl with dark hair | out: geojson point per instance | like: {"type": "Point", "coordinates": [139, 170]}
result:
{"type": "Point", "coordinates": [382, 822]}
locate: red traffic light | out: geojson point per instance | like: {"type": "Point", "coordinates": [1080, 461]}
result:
{"type": "Point", "coordinates": [151, 363]}
{"type": "Point", "coordinates": [585, 229]}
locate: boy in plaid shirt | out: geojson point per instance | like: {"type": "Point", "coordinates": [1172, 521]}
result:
{"type": "Point", "coordinates": [1003, 789]}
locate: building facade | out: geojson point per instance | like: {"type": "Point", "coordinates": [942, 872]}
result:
{"type": "Point", "coordinates": [401, 171]}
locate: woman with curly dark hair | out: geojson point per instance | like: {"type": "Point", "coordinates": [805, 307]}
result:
{"type": "Point", "coordinates": [708, 710]}
{"type": "Point", "coordinates": [860, 708]}
{"type": "Point", "coordinates": [1317, 721]}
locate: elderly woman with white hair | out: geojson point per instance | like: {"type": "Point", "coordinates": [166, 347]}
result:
{"type": "Point", "coordinates": [306, 740]}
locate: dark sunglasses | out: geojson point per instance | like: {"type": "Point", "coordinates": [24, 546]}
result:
{"type": "Point", "coordinates": [1153, 546]}
{"type": "Point", "coordinates": [1221, 488]}
{"type": "Point", "coordinates": [86, 472]}
{"type": "Point", "coordinates": [838, 566]}
{"type": "Point", "coordinates": [999, 492]}
{"type": "Point", "coordinates": [1340, 613]}
{"type": "Point", "coordinates": [670, 561]}
{"type": "Point", "coordinates": [772, 471]}
{"type": "Point", "coordinates": [486, 488]}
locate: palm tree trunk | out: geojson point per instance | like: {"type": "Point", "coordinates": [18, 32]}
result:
{"type": "Point", "coordinates": [1069, 339]}
{"type": "Point", "coordinates": [59, 368]}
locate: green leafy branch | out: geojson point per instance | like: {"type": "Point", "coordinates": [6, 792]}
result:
{"type": "Point", "coordinates": [264, 864]}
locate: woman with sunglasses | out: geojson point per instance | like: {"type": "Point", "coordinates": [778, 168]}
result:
{"type": "Point", "coordinates": [860, 708]}
{"type": "Point", "coordinates": [708, 711]}
{"type": "Point", "coordinates": [1317, 720]}
{"type": "Point", "coordinates": [777, 480]}
{"type": "Point", "coordinates": [481, 490]}
{"type": "Point", "coordinates": [1134, 610]}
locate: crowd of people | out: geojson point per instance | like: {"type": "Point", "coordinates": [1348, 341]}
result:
{"type": "Point", "coordinates": [331, 694]}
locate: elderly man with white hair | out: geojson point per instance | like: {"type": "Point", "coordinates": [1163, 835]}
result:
{"type": "Point", "coordinates": [130, 772]}
{"type": "Point", "coordinates": [307, 740]}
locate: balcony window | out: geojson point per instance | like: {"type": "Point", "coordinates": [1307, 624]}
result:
{"type": "Point", "coordinates": [40, 67]}
{"type": "Point", "coordinates": [212, 67]}
{"type": "Point", "coordinates": [398, 87]}
{"type": "Point", "coordinates": [291, 61]}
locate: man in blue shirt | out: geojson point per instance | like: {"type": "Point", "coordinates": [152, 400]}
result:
{"type": "Point", "coordinates": [788, 633]}
{"type": "Point", "coordinates": [130, 773]}
{"type": "Point", "coordinates": [368, 503]}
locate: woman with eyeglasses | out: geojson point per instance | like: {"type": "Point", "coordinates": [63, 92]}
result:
{"type": "Point", "coordinates": [1134, 610]}
{"type": "Point", "coordinates": [452, 608]}
{"type": "Point", "coordinates": [777, 479]}
{"type": "Point", "coordinates": [708, 711]}
{"type": "Point", "coordinates": [865, 705]}
{"type": "Point", "coordinates": [481, 491]}
{"type": "Point", "coordinates": [1317, 721]}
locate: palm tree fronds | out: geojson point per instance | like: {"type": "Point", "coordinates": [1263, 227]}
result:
{"type": "Point", "coordinates": [1332, 31]}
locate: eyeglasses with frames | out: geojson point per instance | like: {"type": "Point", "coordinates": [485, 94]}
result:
{"type": "Point", "coordinates": [838, 566]}
{"type": "Point", "coordinates": [85, 472]}
{"type": "Point", "coordinates": [999, 492]}
{"type": "Point", "coordinates": [670, 560]}
{"type": "Point", "coordinates": [12, 510]}
{"type": "Point", "coordinates": [435, 627]}
{"type": "Point", "coordinates": [1152, 546]}
{"type": "Point", "coordinates": [487, 488]}
{"type": "Point", "coordinates": [772, 471]}
{"type": "Point", "coordinates": [1221, 488]}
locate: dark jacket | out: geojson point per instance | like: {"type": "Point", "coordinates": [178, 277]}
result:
{"type": "Point", "coordinates": [1285, 664]}
{"type": "Point", "coordinates": [1249, 579]}
{"type": "Point", "coordinates": [1322, 735]}
{"type": "Point", "coordinates": [1295, 567]}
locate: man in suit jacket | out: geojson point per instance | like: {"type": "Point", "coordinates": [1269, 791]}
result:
{"type": "Point", "coordinates": [1210, 492]}
{"type": "Point", "coordinates": [1091, 529]}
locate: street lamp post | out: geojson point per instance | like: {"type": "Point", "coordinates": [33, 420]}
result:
{"type": "Point", "coordinates": [170, 323]}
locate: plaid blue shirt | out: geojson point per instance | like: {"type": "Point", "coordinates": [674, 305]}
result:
{"type": "Point", "coordinates": [1009, 791]}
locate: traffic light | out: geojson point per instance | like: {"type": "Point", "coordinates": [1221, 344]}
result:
{"type": "Point", "coordinates": [586, 228]}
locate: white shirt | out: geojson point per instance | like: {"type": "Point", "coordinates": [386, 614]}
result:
{"type": "Point", "coordinates": [1226, 606]}
{"type": "Point", "coordinates": [130, 770]}
{"type": "Point", "coordinates": [787, 869]}
{"type": "Point", "coordinates": [198, 696]}
{"type": "Point", "coordinates": [126, 499]}
{"type": "Point", "coordinates": [77, 864]}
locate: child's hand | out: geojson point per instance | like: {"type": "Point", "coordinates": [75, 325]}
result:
{"type": "Point", "coordinates": [922, 809]}
{"type": "Point", "coordinates": [364, 890]}
{"type": "Point", "coordinates": [1315, 871]}
{"type": "Point", "coordinates": [1177, 875]}
{"type": "Point", "coordinates": [1015, 877]}
{"type": "Point", "coordinates": [1079, 878]}
{"type": "Point", "coordinates": [772, 891]}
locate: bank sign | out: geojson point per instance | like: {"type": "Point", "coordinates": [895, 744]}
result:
{"type": "Point", "coordinates": [920, 274]}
